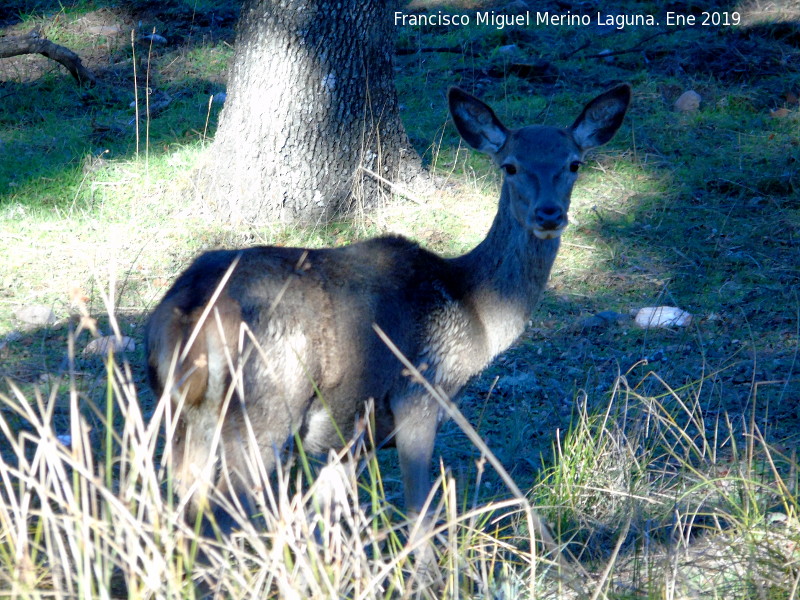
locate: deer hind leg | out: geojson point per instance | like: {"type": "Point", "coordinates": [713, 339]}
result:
{"type": "Point", "coordinates": [271, 402]}
{"type": "Point", "coordinates": [220, 463]}
{"type": "Point", "coordinates": [200, 374]}
{"type": "Point", "coordinates": [194, 455]}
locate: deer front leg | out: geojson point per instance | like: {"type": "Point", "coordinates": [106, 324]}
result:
{"type": "Point", "coordinates": [416, 421]}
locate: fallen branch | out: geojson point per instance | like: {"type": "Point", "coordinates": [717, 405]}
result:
{"type": "Point", "coordinates": [456, 50]}
{"type": "Point", "coordinates": [636, 47]}
{"type": "Point", "coordinates": [397, 189]}
{"type": "Point", "coordinates": [35, 43]}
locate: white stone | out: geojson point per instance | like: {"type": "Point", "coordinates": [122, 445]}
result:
{"type": "Point", "coordinates": [662, 316]}
{"type": "Point", "coordinates": [688, 101]}
{"type": "Point", "coordinates": [102, 345]}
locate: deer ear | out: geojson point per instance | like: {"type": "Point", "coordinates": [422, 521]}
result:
{"type": "Point", "coordinates": [601, 118]}
{"type": "Point", "coordinates": [476, 122]}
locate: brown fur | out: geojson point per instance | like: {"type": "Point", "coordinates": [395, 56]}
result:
{"type": "Point", "coordinates": [288, 346]}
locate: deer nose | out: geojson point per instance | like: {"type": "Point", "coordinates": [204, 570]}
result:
{"type": "Point", "coordinates": [549, 216]}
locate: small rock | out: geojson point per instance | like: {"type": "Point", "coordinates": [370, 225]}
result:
{"type": "Point", "coordinates": [780, 113]}
{"type": "Point", "coordinates": [104, 30]}
{"type": "Point", "coordinates": [662, 316]}
{"type": "Point", "coordinates": [36, 315]}
{"type": "Point", "coordinates": [154, 37]}
{"type": "Point", "coordinates": [688, 101]}
{"type": "Point", "coordinates": [601, 319]}
{"type": "Point", "coordinates": [14, 336]}
{"type": "Point", "coordinates": [102, 345]}
{"type": "Point", "coordinates": [775, 518]}
{"type": "Point", "coordinates": [607, 56]}
{"type": "Point", "coordinates": [510, 50]}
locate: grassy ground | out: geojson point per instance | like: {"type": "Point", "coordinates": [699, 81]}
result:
{"type": "Point", "coordinates": [668, 454]}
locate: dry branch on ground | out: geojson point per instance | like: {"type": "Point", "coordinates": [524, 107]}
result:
{"type": "Point", "coordinates": [35, 43]}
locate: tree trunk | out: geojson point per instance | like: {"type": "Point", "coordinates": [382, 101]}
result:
{"type": "Point", "coordinates": [311, 109]}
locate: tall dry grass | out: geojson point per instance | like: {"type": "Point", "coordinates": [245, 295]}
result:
{"type": "Point", "coordinates": [648, 498]}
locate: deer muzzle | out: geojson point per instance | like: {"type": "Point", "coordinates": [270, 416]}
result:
{"type": "Point", "coordinates": [549, 221]}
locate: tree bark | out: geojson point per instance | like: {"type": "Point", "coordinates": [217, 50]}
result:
{"type": "Point", "coordinates": [35, 43]}
{"type": "Point", "coordinates": [311, 109]}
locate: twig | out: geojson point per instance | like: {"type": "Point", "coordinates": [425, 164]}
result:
{"type": "Point", "coordinates": [397, 189]}
{"type": "Point", "coordinates": [410, 51]}
{"type": "Point", "coordinates": [636, 47]}
{"type": "Point", "coordinates": [35, 43]}
{"type": "Point", "coordinates": [583, 46]}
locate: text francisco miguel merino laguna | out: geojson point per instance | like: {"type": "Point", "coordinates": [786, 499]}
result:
{"type": "Point", "coordinates": [501, 20]}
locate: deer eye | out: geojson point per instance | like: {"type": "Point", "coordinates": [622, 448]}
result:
{"type": "Point", "coordinates": [509, 169]}
{"type": "Point", "coordinates": [574, 166]}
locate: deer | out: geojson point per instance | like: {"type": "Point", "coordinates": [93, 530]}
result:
{"type": "Point", "coordinates": [259, 346]}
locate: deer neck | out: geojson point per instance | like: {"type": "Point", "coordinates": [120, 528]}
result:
{"type": "Point", "coordinates": [505, 275]}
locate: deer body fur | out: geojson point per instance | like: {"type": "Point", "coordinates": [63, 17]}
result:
{"type": "Point", "coordinates": [258, 345]}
